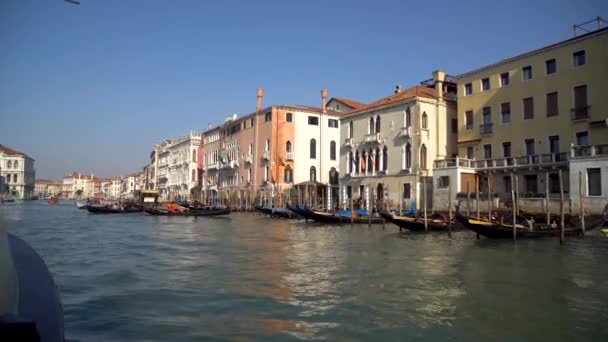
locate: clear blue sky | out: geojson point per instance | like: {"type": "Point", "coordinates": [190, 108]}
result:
{"type": "Point", "coordinates": [92, 87]}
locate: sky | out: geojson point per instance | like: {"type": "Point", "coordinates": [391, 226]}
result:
{"type": "Point", "coordinates": [91, 88]}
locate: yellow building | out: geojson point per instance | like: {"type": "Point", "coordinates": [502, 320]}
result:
{"type": "Point", "coordinates": [529, 114]}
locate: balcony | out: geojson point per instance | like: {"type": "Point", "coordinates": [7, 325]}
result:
{"type": "Point", "coordinates": [541, 160]}
{"type": "Point", "coordinates": [406, 132]}
{"type": "Point", "coordinates": [248, 158]}
{"type": "Point", "coordinates": [349, 142]}
{"type": "Point", "coordinates": [580, 113]}
{"type": "Point", "coordinates": [212, 166]}
{"type": "Point", "coordinates": [289, 156]}
{"type": "Point", "coordinates": [486, 128]}
{"type": "Point", "coordinates": [266, 155]}
{"type": "Point", "coordinates": [372, 138]}
{"type": "Point", "coordinates": [230, 165]}
{"type": "Point", "coordinates": [589, 151]}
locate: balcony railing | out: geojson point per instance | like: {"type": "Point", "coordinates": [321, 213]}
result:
{"type": "Point", "coordinates": [406, 132]}
{"type": "Point", "coordinates": [372, 138]}
{"type": "Point", "coordinates": [289, 156]}
{"type": "Point", "coordinates": [580, 113]}
{"type": "Point", "coordinates": [230, 165]}
{"type": "Point", "coordinates": [589, 151]}
{"type": "Point", "coordinates": [486, 128]}
{"type": "Point", "coordinates": [212, 166]}
{"type": "Point", "coordinates": [546, 159]}
{"type": "Point", "coordinates": [349, 142]}
{"type": "Point", "coordinates": [266, 155]}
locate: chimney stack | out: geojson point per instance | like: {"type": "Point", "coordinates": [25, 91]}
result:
{"type": "Point", "coordinates": [324, 100]}
{"type": "Point", "coordinates": [397, 88]}
{"type": "Point", "coordinates": [260, 94]}
{"type": "Point", "coordinates": [439, 78]}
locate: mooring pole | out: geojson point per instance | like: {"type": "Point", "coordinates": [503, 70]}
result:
{"type": "Point", "coordinates": [562, 236]}
{"type": "Point", "coordinates": [580, 200]}
{"type": "Point", "coordinates": [514, 216]}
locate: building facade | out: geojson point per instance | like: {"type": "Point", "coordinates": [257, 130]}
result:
{"type": "Point", "coordinates": [525, 115]}
{"type": "Point", "coordinates": [17, 173]}
{"type": "Point", "coordinates": [389, 146]}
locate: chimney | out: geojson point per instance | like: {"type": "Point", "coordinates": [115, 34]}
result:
{"type": "Point", "coordinates": [397, 88]}
{"type": "Point", "coordinates": [324, 100]}
{"type": "Point", "coordinates": [260, 94]}
{"type": "Point", "coordinates": [439, 78]}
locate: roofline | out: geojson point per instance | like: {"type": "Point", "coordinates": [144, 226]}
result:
{"type": "Point", "coordinates": [535, 52]}
{"type": "Point", "coordinates": [386, 105]}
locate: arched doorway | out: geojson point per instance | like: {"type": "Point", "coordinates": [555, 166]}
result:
{"type": "Point", "coordinates": [380, 192]}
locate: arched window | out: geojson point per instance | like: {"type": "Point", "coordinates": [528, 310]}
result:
{"type": "Point", "coordinates": [408, 117]}
{"type": "Point", "coordinates": [9, 164]}
{"type": "Point", "coordinates": [408, 156]}
{"type": "Point", "coordinates": [313, 149]}
{"type": "Point", "coordinates": [194, 156]}
{"type": "Point", "coordinates": [288, 175]}
{"type": "Point", "coordinates": [15, 178]}
{"type": "Point", "coordinates": [16, 165]}
{"type": "Point", "coordinates": [350, 129]}
{"type": "Point", "coordinates": [425, 119]}
{"type": "Point", "coordinates": [332, 150]}
{"type": "Point", "coordinates": [333, 176]}
{"type": "Point", "coordinates": [193, 175]}
{"type": "Point", "coordinates": [378, 124]}
{"type": "Point", "coordinates": [356, 161]}
{"type": "Point", "coordinates": [385, 158]}
{"type": "Point", "coordinates": [313, 174]}
{"type": "Point", "coordinates": [288, 146]}
{"type": "Point", "coordinates": [377, 159]}
{"type": "Point", "coordinates": [423, 157]}
{"type": "Point", "coordinates": [350, 162]}
{"type": "Point", "coordinates": [363, 161]}
{"type": "Point", "coordinates": [371, 125]}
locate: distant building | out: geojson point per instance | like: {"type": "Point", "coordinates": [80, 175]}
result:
{"type": "Point", "coordinates": [77, 185]}
{"type": "Point", "coordinates": [41, 186]}
{"type": "Point", "coordinates": [17, 173]}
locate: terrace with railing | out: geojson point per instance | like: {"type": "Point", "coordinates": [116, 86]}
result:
{"type": "Point", "coordinates": [547, 159]}
{"type": "Point", "coordinates": [372, 138]}
{"type": "Point", "coordinates": [589, 151]}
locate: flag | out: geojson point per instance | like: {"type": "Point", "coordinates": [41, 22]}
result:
{"type": "Point", "coordinates": [362, 163]}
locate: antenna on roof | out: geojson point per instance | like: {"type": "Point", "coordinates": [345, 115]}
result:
{"type": "Point", "coordinates": [584, 26]}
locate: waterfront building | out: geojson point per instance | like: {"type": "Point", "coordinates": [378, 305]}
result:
{"type": "Point", "coordinates": [130, 185]}
{"type": "Point", "coordinates": [271, 150]}
{"type": "Point", "coordinates": [388, 146]}
{"type": "Point", "coordinates": [54, 189]}
{"type": "Point", "coordinates": [529, 115]}
{"type": "Point", "coordinates": [17, 173]}
{"type": "Point", "coordinates": [78, 185]}
{"type": "Point", "coordinates": [40, 187]}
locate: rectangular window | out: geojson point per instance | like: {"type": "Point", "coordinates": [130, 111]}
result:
{"type": "Point", "coordinates": [505, 112]}
{"type": "Point", "coordinates": [531, 183]}
{"type": "Point", "coordinates": [454, 126]}
{"type": "Point", "coordinates": [349, 191]}
{"type": "Point", "coordinates": [487, 151]}
{"type": "Point", "coordinates": [528, 108]}
{"type": "Point", "coordinates": [332, 123]}
{"type": "Point", "coordinates": [507, 182]}
{"type": "Point", "coordinates": [313, 120]}
{"type": "Point", "coordinates": [486, 126]}
{"type": "Point", "coordinates": [594, 182]}
{"type": "Point", "coordinates": [529, 147]}
{"type": "Point", "coordinates": [251, 122]}
{"type": "Point", "coordinates": [552, 104]}
{"type": "Point", "coordinates": [468, 120]}
{"type": "Point", "coordinates": [268, 117]}
{"type": "Point", "coordinates": [526, 73]}
{"type": "Point", "coordinates": [289, 117]}
{"type": "Point", "coordinates": [582, 138]}
{"type": "Point", "coordinates": [554, 144]}
{"type": "Point", "coordinates": [485, 84]}
{"type": "Point", "coordinates": [470, 152]}
{"type": "Point", "coordinates": [553, 183]}
{"type": "Point", "coordinates": [550, 66]}
{"type": "Point", "coordinates": [407, 190]}
{"type": "Point", "coordinates": [504, 79]}
{"type": "Point", "coordinates": [468, 89]}
{"type": "Point", "coordinates": [443, 182]}
{"type": "Point", "coordinates": [506, 149]}
{"type": "Point", "coordinates": [581, 109]}
{"type": "Point", "coordinates": [579, 58]}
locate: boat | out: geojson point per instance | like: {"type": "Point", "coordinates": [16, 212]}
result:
{"type": "Point", "coordinates": [52, 201]}
{"type": "Point", "coordinates": [207, 211]}
{"type": "Point", "coordinates": [29, 300]}
{"type": "Point", "coordinates": [359, 216]}
{"type": "Point", "coordinates": [8, 200]}
{"type": "Point", "coordinates": [81, 205]}
{"type": "Point", "coordinates": [416, 224]}
{"type": "Point", "coordinates": [276, 212]}
{"type": "Point", "coordinates": [498, 230]}
{"type": "Point", "coordinates": [104, 209]}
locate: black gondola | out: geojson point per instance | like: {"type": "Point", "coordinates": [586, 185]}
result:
{"type": "Point", "coordinates": [495, 230]}
{"type": "Point", "coordinates": [275, 212]}
{"type": "Point", "coordinates": [330, 217]}
{"type": "Point", "coordinates": [95, 209]}
{"type": "Point", "coordinates": [434, 222]}
{"type": "Point", "coordinates": [189, 212]}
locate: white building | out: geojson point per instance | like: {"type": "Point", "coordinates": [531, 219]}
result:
{"type": "Point", "coordinates": [129, 185]}
{"type": "Point", "coordinates": [17, 173]}
{"type": "Point", "coordinates": [77, 185]}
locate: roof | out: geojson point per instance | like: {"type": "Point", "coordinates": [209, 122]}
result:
{"type": "Point", "coordinates": [416, 91]}
{"type": "Point", "coordinates": [9, 151]}
{"type": "Point", "coordinates": [42, 180]}
{"type": "Point", "coordinates": [351, 103]}
{"type": "Point", "coordinates": [536, 51]}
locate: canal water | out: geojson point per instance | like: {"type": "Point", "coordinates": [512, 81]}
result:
{"type": "Point", "coordinates": [244, 277]}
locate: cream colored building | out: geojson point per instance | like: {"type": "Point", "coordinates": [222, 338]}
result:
{"type": "Point", "coordinates": [17, 173]}
{"type": "Point", "coordinates": [527, 114]}
{"type": "Point", "coordinates": [388, 147]}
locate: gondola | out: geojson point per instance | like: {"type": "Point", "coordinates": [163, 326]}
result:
{"type": "Point", "coordinates": [434, 222]}
{"type": "Point", "coordinates": [496, 230]}
{"type": "Point", "coordinates": [96, 209]}
{"type": "Point", "coordinates": [189, 212]}
{"type": "Point", "coordinates": [275, 212]}
{"type": "Point", "coordinates": [343, 216]}
{"type": "Point", "coordinates": [81, 205]}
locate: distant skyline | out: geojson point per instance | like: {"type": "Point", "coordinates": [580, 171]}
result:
{"type": "Point", "coordinates": [92, 87]}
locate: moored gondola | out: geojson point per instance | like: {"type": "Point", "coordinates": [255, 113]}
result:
{"type": "Point", "coordinates": [343, 216]}
{"type": "Point", "coordinates": [275, 212]}
{"type": "Point", "coordinates": [98, 209]}
{"type": "Point", "coordinates": [497, 230]}
{"type": "Point", "coordinates": [434, 222]}
{"type": "Point", "coordinates": [212, 211]}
